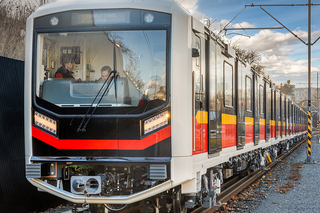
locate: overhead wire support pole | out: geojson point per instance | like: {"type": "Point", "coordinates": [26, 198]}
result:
{"type": "Point", "coordinates": [317, 108]}
{"type": "Point", "coordinates": [276, 5]}
{"type": "Point", "coordinates": [309, 159]}
{"type": "Point", "coordinates": [286, 5]}
{"type": "Point", "coordinates": [257, 28]}
{"type": "Point", "coordinates": [232, 20]}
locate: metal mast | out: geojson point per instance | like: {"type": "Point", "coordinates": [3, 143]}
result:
{"type": "Point", "coordinates": [309, 159]}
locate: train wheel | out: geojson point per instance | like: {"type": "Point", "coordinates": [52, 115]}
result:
{"type": "Point", "coordinates": [179, 203]}
{"type": "Point", "coordinates": [115, 207]}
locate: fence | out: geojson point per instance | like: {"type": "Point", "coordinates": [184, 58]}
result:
{"type": "Point", "coordinates": [17, 195]}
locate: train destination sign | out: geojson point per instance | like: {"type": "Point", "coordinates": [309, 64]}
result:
{"type": "Point", "coordinates": [105, 17]}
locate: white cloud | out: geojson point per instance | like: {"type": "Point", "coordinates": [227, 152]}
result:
{"type": "Point", "coordinates": [267, 40]}
{"type": "Point", "coordinates": [189, 4]}
{"type": "Point", "coordinates": [243, 25]}
{"type": "Point", "coordinates": [276, 48]}
{"type": "Point", "coordinates": [217, 26]}
{"type": "Point", "coordinates": [192, 7]}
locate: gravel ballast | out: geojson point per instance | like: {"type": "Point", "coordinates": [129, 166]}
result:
{"type": "Point", "coordinates": [303, 197]}
{"type": "Point", "coordinates": [291, 186]}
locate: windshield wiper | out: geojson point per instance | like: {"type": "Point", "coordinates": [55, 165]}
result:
{"type": "Point", "coordinates": [111, 78]}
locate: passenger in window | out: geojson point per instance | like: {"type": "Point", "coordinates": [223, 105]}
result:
{"type": "Point", "coordinates": [105, 72]}
{"type": "Point", "coordinates": [65, 71]}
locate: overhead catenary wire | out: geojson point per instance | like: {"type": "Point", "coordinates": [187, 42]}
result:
{"type": "Point", "coordinates": [242, 27]}
{"type": "Point", "coordinates": [231, 21]}
{"type": "Point", "coordinates": [284, 26]}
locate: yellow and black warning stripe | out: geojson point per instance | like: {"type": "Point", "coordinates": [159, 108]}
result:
{"type": "Point", "coordinates": [309, 133]}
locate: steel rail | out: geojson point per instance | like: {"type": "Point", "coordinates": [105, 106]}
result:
{"type": "Point", "coordinates": [246, 181]}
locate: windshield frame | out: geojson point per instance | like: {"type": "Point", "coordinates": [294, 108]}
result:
{"type": "Point", "coordinates": [48, 107]}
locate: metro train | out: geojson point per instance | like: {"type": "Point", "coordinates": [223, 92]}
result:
{"type": "Point", "coordinates": [179, 113]}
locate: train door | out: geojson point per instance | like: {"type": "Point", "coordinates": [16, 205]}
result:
{"type": "Point", "coordinates": [291, 114]}
{"type": "Point", "coordinates": [256, 109]}
{"type": "Point", "coordinates": [200, 115]}
{"type": "Point", "coordinates": [268, 111]}
{"type": "Point", "coordinates": [240, 100]}
{"type": "Point", "coordinates": [215, 142]}
{"type": "Point", "coordinates": [287, 115]}
{"type": "Point", "coordinates": [248, 113]}
{"type": "Point", "coordinates": [277, 113]}
{"type": "Point", "coordinates": [273, 122]}
{"type": "Point", "coordinates": [219, 93]}
{"type": "Point", "coordinates": [290, 117]}
{"type": "Point", "coordinates": [294, 119]}
{"type": "Point", "coordinates": [228, 117]}
{"type": "Point", "coordinates": [299, 116]}
{"type": "Point", "coordinates": [262, 113]}
{"type": "Point", "coordinates": [283, 113]}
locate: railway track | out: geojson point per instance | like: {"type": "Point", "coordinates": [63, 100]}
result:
{"type": "Point", "coordinates": [243, 183]}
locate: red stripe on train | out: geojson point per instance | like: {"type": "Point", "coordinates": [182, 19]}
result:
{"type": "Point", "coordinates": [262, 132]}
{"type": "Point", "coordinates": [229, 135]}
{"type": "Point", "coordinates": [249, 134]}
{"type": "Point", "coordinates": [102, 144]}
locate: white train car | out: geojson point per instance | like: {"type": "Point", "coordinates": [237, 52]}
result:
{"type": "Point", "coordinates": [136, 101]}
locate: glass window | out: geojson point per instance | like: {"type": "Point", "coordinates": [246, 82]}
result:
{"type": "Point", "coordinates": [212, 85]}
{"type": "Point", "coordinates": [261, 91]}
{"type": "Point", "coordinates": [80, 62]}
{"type": "Point", "coordinates": [248, 94]}
{"type": "Point", "coordinates": [228, 85]}
{"type": "Point", "coordinates": [198, 58]}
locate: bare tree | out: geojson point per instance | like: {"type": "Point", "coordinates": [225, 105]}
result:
{"type": "Point", "coordinates": [133, 74]}
{"type": "Point", "coordinates": [253, 57]}
{"type": "Point", "coordinates": [13, 18]}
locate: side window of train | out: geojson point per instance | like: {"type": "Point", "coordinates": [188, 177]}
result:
{"type": "Point", "coordinates": [198, 58]}
{"type": "Point", "coordinates": [248, 94]}
{"type": "Point", "coordinates": [228, 85]}
{"type": "Point", "coordinates": [261, 98]}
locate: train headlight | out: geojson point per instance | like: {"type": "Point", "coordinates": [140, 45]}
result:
{"type": "Point", "coordinates": [156, 122]}
{"type": "Point", "coordinates": [45, 122]}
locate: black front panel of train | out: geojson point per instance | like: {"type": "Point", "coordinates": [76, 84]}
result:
{"type": "Point", "coordinates": [108, 129]}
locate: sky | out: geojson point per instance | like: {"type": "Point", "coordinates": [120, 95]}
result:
{"type": "Point", "coordinates": [285, 56]}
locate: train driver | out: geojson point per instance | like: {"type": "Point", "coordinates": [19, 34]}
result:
{"type": "Point", "coordinates": [65, 70]}
{"type": "Point", "coordinates": [105, 71]}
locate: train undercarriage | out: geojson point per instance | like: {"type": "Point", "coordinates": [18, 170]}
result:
{"type": "Point", "coordinates": [113, 180]}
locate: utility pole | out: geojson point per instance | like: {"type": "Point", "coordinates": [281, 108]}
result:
{"type": "Point", "coordinates": [309, 158]}
{"type": "Point", "coordinates": [317, 109]}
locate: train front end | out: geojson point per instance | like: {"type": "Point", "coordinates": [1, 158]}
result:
{"type": "Point", "coordinates": [96, 136]}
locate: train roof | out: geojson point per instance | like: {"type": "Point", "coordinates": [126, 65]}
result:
{"type": "Point", "coordinates": [165, 6]}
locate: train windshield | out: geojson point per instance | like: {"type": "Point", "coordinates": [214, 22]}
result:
{"type": "Point", "coordinates": [71, 68]}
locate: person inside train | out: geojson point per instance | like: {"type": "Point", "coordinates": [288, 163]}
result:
{"type": "Point", "coordinates": [105, 71]}
{"type": "Point", "coordinates": [65, 71]}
